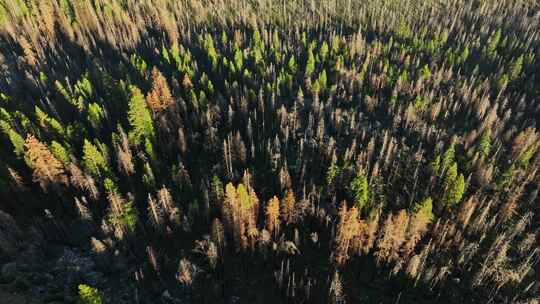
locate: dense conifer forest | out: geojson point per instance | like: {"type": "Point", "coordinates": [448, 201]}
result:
{"type": "Point", "coordinates": [261, 151]}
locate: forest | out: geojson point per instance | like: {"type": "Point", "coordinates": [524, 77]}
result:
{"type": "Point", "coordinates": [262, 151]}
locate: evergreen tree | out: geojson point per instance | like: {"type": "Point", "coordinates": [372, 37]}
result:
{"type": "Point", "coordinates": [17, 141]}
{"type": "Point", "coordinates": [516, 68]}
{"type": "Point", "coordinates": [333, 171]}
{"type": "Point", "coordinates": [238, 59]}
{"type": "Point", "coordinates": [464, 55]}
{"type": "Point", "coordinates": [493, 43]}
{"type": "Point", "coordinates": [211, 51]}
{"type": "Point", "coordinates": [360, 188]}
{"type": "Point", "coordinates": [424, 209]}
{"type": "Point", "coordinates": [324, 51]}
{"type": "Point", "coordinates": [322, 80]}
{"type": "Point", "coordinates": [217, 189]}
{"type": "Point", "coordinates": [454, 186]}
{"type": "Point", "coordinates": [502, 82]}
{"type": "Point", "coordinates": [140, 119]}
{"type": "Point", "coordinates": [148, 178]}
{"type": "Point", "coordinates": [95, 115]}
{"type": "Point", "coordinates": [310, 64]}
{"type": "Point", "coordinates": [94, 161]}
{"type": "Point", "coordinates": [291, 65]}
{"type": "Point", "coordinates": [425, 72]}
{"type": "Point", "coordinates": [485, 144]}
{"type": "Point", "coordinates": [89, 295]}
{"type": "Point", "coordinates": [60, 153]}
{"type": "Point", "coordinates": [122, 215]}
{"type": "Point", "coordinates": [448, 158]}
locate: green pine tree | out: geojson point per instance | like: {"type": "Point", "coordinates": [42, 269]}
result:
{"type": "Point", "coordinates": [17, 141]}
{"type": "Point", "coordinates": [61, 153]}
{"type": "Point", "coordinates": [89, 295]}
{"type": "Point", "coordinates": [425, 72]}
{"type": "Point", "coordinates": [333, 171]}
{"type": "Point", "coordinates": [516, 68]}
{"type": "Point", "coordinates": [291, 65]}
{"type": "Point", "coordinates": [360, 189]}
{"type": "Point", "coordinates": [94, 161]}
{"type": "Point", "coordinates": [217, 189]}
{"type": "Point", "coordinates": [454, 185]}
{"type": "Point", "coordinates": [322, 80]}
{"type": "Point", "coordinates": [139, 117]}
{"type": "Point", "coordinates": [324, 51]}
{"type": "Point", "coordinates": [435, 165]}
{"type": "Point", "coordinates": [110, 186]}
{"type": "Point", "coordinates": [310, 64]}
{"type": "Point", "coordinates": [424, 208]}
{"type": "Point", "coordinates": [448, 157]}
{"type": "Point", "coordinates": [485, 144]}
{"type": "Point", "coordinates": [494, 43]}
{"type": "Point", "coordinates": [457, 190]}
{"type": "Point", "coordinates": [464, 55]}
{"type": "Point", "coordinates": [95, 114]}
{"type": "Point", "coordinates": [238, 59]}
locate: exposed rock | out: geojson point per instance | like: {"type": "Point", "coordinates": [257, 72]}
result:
{"type": "Point", "coordinates": [73, 260]}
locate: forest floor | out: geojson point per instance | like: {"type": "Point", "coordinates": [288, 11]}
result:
{"type": "Point", "coordinates": [53, 273]}
{"type": "Point", "coordinates": [13, 298]}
